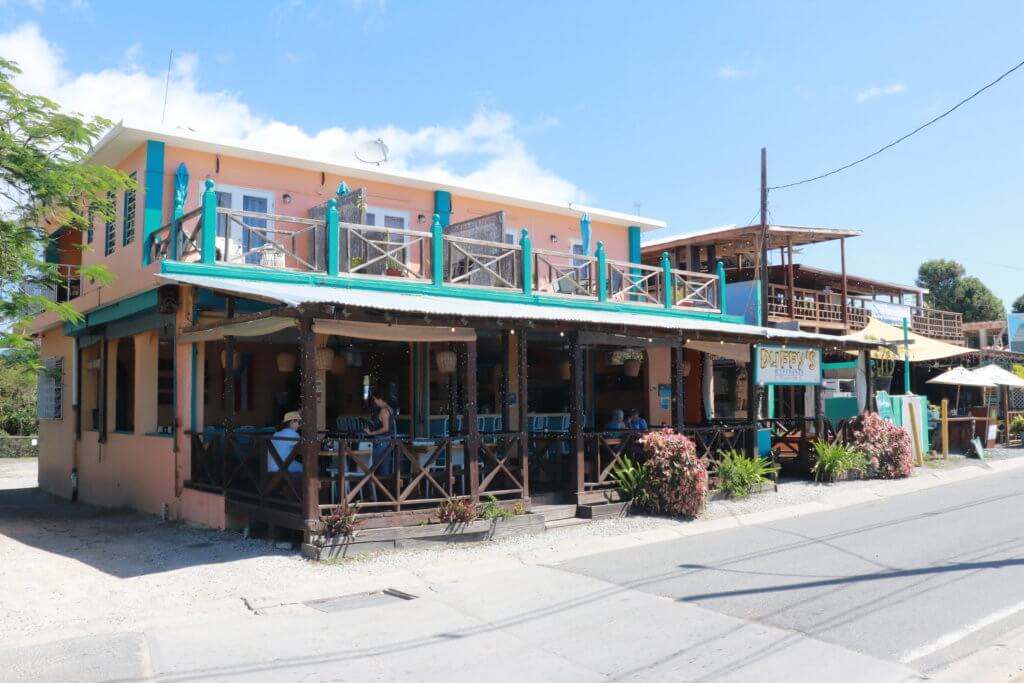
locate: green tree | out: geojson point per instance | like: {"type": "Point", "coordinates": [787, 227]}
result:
{"type": "Point", "coordinates": [1018, 304]}
{"type": "Point", "coordinates": [43, 182]}
{"type": "Point", "coordinates": [17, 399]}
{"type": "Point", "coordinates": [949, 289]}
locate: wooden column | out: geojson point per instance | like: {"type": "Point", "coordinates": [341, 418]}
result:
{"type": "Point", "coordinates": [752, 407]}
{"type": "Point", "coordinates": [819, 410]}
{"type": "Point", "coordinates": [310, 443]}
{"type": "Point", "coordinates": [453, 394]}
{"type": "Point", "coordinates": [505, 387]}
{"type": "Point", "coordinates": [524, 408]}
{"type": "Point", "coordinates": [678, 387]}
{"type": "Point", "coordinates": [846, 304]}
{"type": "Point", "coordinates": [472, 445]}
{"type": "Point", "coordinates": [693, 259]}
{"type": "Point", "coordinates": [869, 378]}
{"type": "Point", "coordinates": [576, 411]}
{"type": "Point", "coordinates": [790, 293]}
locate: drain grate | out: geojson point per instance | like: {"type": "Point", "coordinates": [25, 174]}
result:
{"type": "Point", "coordinates": [345, 603]}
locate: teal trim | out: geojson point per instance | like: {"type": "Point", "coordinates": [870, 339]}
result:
{"type": "Point", "coordinates": [209, 232]}
{"type": "Point", "coordinates": [332, 236]}
{"type": "Point", "coordinates": [723, 304]}
{"type": "Point", "coordinates": [758, 302]}
{"type": "Point", "coordinates": [634, 244]}
{"type": "Point", "coordinates": [527, 256]}
{"type": "Point", "coordinates": [52, 254]}
{"type": "Point", "coordinates": [668, 292]}
{"type": "Point", "coordinates": [212, 301]}
{"type": "Point", "coordinates": [602, 273]}
{"type": "Point", "coordinates": [153, 210]}
{"type": "Point", "coordinates": [437, 251]}
{"type": "Point", "coordinates": [443, 206]}
{"type": "Point", "coordinates": [133, 305]}
{"type": "Point", "coordinates": [840, 366]}
{"type": "Point", "coordinates": [770, 390]}
{"type": "Point", "coordinates": [136, 324]}
{"type": "Point", "coordinates": [906, 356]}
{"type": "Point", "coordinates": [427, 288]}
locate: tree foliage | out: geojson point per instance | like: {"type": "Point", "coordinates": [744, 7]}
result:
{"type": "Point", "coordinates": [44, 183]}
{"type": "Point", "coordinates": [950, 289]}
{"type": "Point", "coordinates": [1018, 304]}
{"type": "Point", "coordinates": [17, 399]}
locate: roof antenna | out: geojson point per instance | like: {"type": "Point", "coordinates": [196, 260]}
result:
{"type": "Point", "coordinates": [167, 87]}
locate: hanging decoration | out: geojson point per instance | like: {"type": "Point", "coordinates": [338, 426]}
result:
{"type": "Point", "coordinates": [445, 361]}
{"type": "Point", "coordinates": [286, 361]}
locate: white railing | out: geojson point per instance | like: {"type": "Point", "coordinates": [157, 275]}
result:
{"type": "Point", "coordinates": [556, 272]}
{"type": "Point", "coordinates": [396, 252]}
{"type": "Point", "coordinates": [694, 290]}
{"type": "Point", "coordinates": [482, 263]}
{"type": "Point", "coordinates": [635, 282]}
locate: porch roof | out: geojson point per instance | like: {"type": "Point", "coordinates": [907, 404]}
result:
{"type": "Point", "coordinates": [298, 294]}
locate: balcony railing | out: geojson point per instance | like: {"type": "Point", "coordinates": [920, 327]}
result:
{"type": "Point", "coordinates": [822, 307]}
{"type": "Point", "coordinates": [251, 239]}
{"type": "Point", "coordinates": [66, 288]}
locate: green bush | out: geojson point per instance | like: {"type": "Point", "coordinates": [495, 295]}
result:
{"type": "Point", "coordinates": [739, 474]}
{"type": "Point", "coordinates": [1017, 425]}
{"type": "Point", "coordinates": [457, 511]}
{"type": "Point", "coordinates": [493, 510]}
{"type": "Point", "coordinates": [835, 460]}
{"type": "Point", "coordinates": [634, 480]}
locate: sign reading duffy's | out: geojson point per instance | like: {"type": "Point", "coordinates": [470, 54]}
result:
{"type": "Point", "coordinates": [787, 365]}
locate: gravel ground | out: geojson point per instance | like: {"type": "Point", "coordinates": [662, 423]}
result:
{"type": "Point", "coordinates": [92, 570]}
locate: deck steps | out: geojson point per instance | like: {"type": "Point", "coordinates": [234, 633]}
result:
{"type": "Point", "coordinates": [555, 513]}
{"type": "Point", "coordinates": [565, 523]}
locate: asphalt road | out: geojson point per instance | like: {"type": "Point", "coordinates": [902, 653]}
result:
{"type": "Point", "coordinates": [883, 591]}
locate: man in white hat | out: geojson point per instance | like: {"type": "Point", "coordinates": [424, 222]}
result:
{"type": "Point", "coordinates": [288, 431]}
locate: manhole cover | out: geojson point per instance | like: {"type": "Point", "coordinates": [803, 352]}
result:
{"type": "Point", "coordinates": [350, 602]}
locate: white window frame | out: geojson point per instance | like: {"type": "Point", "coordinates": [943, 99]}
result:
{"type": "Point", "coordinates": [380, 212]}
{"type": "Point", "coordinates": [237, 192]}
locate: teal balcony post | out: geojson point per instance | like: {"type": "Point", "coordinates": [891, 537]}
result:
{"type": "Point", "coordinates": [722, 294]}
{"type": "Point", "coordinates": [602, 273]}
{"type": "Point", "coordinates": [666, 275]}
{"type": "Point", "coordinates": [437, 250]}
{"type": "Point", "coordinates": [524, 242]}
{"type": "Point", "coordinates": [210, 223]}
{"type": "Point", "coordinates": [332, 236]}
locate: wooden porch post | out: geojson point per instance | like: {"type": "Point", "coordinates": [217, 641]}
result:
{"type": "Point", "coordinates": [752, 403]}
{"type": "Point", "coordinates": [576, 416]}
{"type": "Point", "coordinates": [472, 449]}
{"type": "Point", "coordinates": [524, 409]}
{"type": "Point", "coordinates": [819, 406]}
{"type": "Point", "coordinates": [505, 387]}
{"type": "Point", "coordinates": [790, 293]}
{"type": "Point", "coordinates": [846, 305]}
{"type": "Point", "coordinates": [310, 443]}
{"type": "Point", "coordinates": [869, 378]}
{"type": "Point", "coordinates": [678, 386]}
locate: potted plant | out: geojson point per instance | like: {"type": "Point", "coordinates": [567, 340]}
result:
{"type": "Point", "coordinates": [394, 268]}
{"type": "Point", "coordinates": [355, 262]}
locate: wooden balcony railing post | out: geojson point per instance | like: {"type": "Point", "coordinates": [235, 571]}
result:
{"type": "Point", "coordinates": [524, 419]}
{"type": "Point", "coordinates": [209, 223]}
{"type": "Point", "coordinates": [602, 273]}
{"type": "Point", "coordinates": [722, 294]}
{"type": "Point", "coordinates": [332, 236]}
{"type": "Point", "coordinates": [309, 445]}
{"type": "Point", "coordinates": [524, 243]}
{"type": "Point", "coordinates": [668, 294]}
{"type": "Point", "coordinates": [437, 251]}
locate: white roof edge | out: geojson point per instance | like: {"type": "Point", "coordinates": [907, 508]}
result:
{"type": "Point", "coordinates": [190, 141]}
{"type": "Point", "coordinates": [653, 242]}
{"type": "Point", "coordinates": [297, 294]}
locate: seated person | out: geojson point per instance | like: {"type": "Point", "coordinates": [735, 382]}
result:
{"type": "Point", "coordinates": [289, 429]}
{"type": "Point", "coordinates": [617, 421]}
{"type": "Point", "coordinates": [635, 421]}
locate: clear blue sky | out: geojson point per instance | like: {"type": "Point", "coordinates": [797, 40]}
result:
{"type": "Point", "coordinates": [664, 103]}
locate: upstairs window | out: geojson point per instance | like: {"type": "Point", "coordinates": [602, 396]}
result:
{"type": "Point", "coordinates": [128, 225]}
{"type": "Point", "coordinates": [109, 238]}
{"type": "Point", "coordinates": [50, 387]}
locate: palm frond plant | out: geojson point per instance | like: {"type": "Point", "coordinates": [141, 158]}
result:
{"type": "Point", "coordinates": [634, 480]}
{"type": "Point", "coordinates": [739, 474]}
{"type": "Point", "coordinates": [835, 461]}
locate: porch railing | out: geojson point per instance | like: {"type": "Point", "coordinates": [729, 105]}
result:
{"type": "Point", "coordinates": [213, 234]}
{"type": "Point", "coordinates": [247, 467]}
{"type": "Point", "coordinates": [66, 287]}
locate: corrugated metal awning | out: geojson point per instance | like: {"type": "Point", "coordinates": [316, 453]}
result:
{"type": "Point", "coordinates": [298, 294]}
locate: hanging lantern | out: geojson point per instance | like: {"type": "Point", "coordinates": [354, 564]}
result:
{"type": "Point", "coordinates": [445, 361]}
{"type": "Point", "coordinates": [684, 368]}
{"type": "Point", "coordinates": [286, 361]}
{"type": "Point", "coordinates": [565, 369]}
{"type": "Point", "coordinates": [339, 365]}
{"type": "Point", "coordinates": [324, 358]}
{"type": "Point", "coordinates": [631, 367]}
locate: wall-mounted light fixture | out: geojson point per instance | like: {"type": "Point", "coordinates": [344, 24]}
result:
{"type": "Point", "coordinates": [217, 163]}
{"type": "Point", "coordinates": [421, 219]}
{"type": "Point", "coordinates": [286, 198]}
{"type": "Point", "coordinates": [553, 237]}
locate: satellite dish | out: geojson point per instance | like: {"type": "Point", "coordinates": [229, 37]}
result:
{"type": "Point", "coordinates": [372, 152]}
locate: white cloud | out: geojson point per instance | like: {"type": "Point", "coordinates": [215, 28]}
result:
{"type": "Point", "coordinates": [488, 146]}
{"type": "Point", "coordinates": [876, 91]}
{"type": "Point", "coordinates": [732, 73]}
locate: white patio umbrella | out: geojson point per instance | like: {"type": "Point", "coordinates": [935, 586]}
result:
{"type": "Point", "coordinates": [961, 377]}
{"type": "Point", "coordinates": [1004, 379]}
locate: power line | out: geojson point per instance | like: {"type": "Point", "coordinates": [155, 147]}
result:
{"type": "Point", "coordinates": [899, 140]}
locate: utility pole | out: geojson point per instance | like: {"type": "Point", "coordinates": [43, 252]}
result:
{"type": "Point", "coordinates": [764, 236]}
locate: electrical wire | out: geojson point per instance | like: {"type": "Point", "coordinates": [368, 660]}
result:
{"type": "Point", "coordinates": [901, 139]}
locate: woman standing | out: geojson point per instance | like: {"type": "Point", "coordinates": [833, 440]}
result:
{"type": "Point", "coordinates": [382, 423]}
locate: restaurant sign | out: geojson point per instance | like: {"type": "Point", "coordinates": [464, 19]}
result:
{"type": "Point", "coordinates": [787, 365]}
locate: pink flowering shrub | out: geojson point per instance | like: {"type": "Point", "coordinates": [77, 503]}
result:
{"type": "Point", "coordinates": [678, 478]}
{"type": "Point", "coordinates": [887, 447]}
